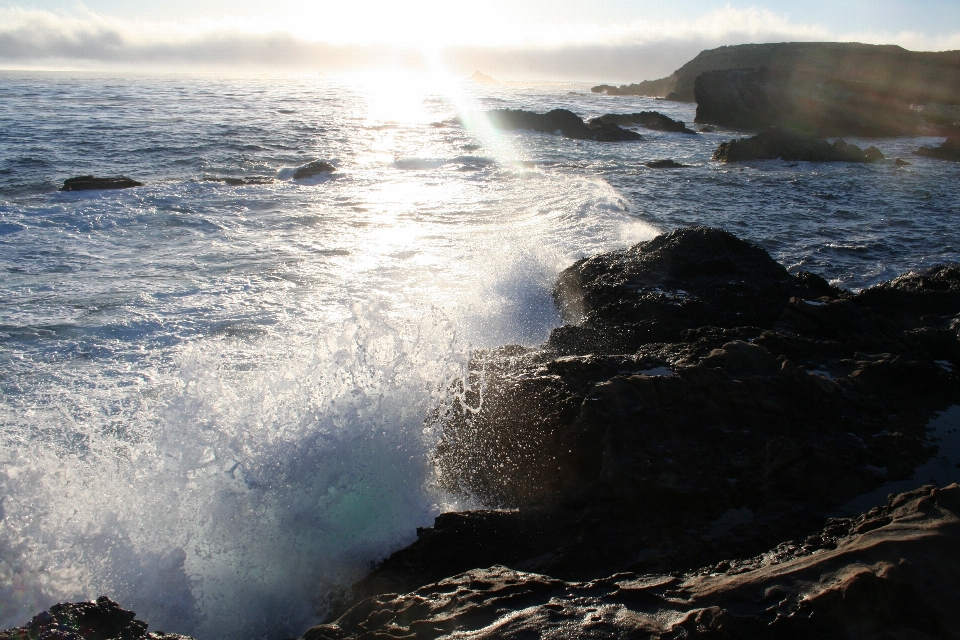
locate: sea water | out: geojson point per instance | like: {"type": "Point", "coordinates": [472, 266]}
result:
{"type": "Point", "coordinates": [212, 396]}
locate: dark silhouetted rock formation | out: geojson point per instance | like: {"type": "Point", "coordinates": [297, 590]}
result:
{"type": "Point", "coordinates": [700, 404]}
{"type": "Point", "coordinates": [313, 169]}
{"type": "Point", "coordinates": [785, 144]}
{"type": "Point", "coordinates": [891, 573]}
{"type": "Point", "coordinates": [917, 77]}
{"type": "Point", "coordinates": [758, 98]}
{"type": "Point", "coordinates": [949, 150]}
{"type": "Point", "coordinates": [91, 183]}
{"type": "Point", "coordinates": [561, 122]}
{"type": "Point", "coordinates": [665, 164]}
{"type": "Point", "coordinates": [647, 119]}
{"type": "Point", "coordinates": [100, 620]}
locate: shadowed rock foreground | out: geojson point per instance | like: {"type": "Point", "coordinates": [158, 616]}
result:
{"type": "Point", "coordinates": [891, 573]}
{"type": "Point", "coordinates": [701, 404]}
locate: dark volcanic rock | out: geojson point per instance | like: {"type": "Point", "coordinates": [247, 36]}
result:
{"type": "Point", "coordinates": [891, 573]}
{"type": "Point", "coordinates": [949, 150]}
{"type": "Point", "coordinates": [100, 620]}
{"type": "Point", "coordinates": [313, 169]}
{"type": "Point", "coordinates": [90, 183]}
{"type": "Point", "coordinates": [785, 144]}
{"type": "Point", "coordinates": [562, 122]}
{"type": "Point", "coordinates": [652, 120]}
{"type": "Point", "coordinates": [665, 164]}
{"type": "Point", "coordinates": [701, 403]}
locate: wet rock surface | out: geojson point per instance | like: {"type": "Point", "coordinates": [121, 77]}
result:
{"type": "Point", "coordinates": [91, 183]}
{"type": "Point", "coordinates": [949, 150]}
{"type": "Point", "coordinates": [786, 144]}
{"type": "Point", "coordinates": [665, 164]}
{"type": "Point", "coordinates": [890, 573]}
{"type": "Point", "coordinates": [560, 122]}
{"type": "Point", "coordinates": [701, 403]}
{"type": "Point", "coordinates": [652, 120]}
{"type": "Point", "coordinates": [103, 619]}
{"type": "Point", "coordinates": [315, 168]}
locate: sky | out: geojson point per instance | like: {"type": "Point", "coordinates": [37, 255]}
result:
{"type": "Point", "coordinates": [602, 40]}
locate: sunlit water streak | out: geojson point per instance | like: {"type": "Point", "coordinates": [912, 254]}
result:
{"type": "Point", "coordinates": [212, 397]}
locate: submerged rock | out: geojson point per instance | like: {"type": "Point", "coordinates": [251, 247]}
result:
{"type": "Point", "coordinates": [240, 182]}
{"type": "Point", "coordinates": [90, 183]}
{"type": "Point", "coordinates": [313, 169]}
{"type": "Point", "coordinates": [701, 403]}
{"type": "Point", "coordinates": [949, 150]}
{"type": "Point", "coordinates": [785, 144]}
{"type": "Point", "coordinates": [100, 620]}
{"type": "Point", "coordinates": [893, 572]}
{"type": "Point", "coordinates": [647, 119]}
{"type": "Point", "coordinates": [560, 122]}
{"type": "Point", "coordinates": [665, 164]}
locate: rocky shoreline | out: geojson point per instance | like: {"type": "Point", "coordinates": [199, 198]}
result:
{"type": "Point", "coordinates": [645, 466]}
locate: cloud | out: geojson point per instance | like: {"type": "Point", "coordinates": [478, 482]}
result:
{"type": "Point", "coordinates": [632, 51]}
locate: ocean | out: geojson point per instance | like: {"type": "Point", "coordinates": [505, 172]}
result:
{"type": "Point", "coordinates": [212, 395]}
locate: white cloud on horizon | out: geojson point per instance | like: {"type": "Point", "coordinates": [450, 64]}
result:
{"type": "Point", "coordinates": [637, 50]}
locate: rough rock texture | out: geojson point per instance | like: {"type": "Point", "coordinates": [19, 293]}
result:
{"type": "Point", "coordinates": [90, 183]}
{"type": "Point", "coordinates": [701, 404]}
{"type": "Point", "coordinates": [652, 120]}
{"type": "Point", "coordinates": [665, 164]}
{"type": "Point", "coordinates": [949, 150]}
{"type": "Point", "coordinates": [562, 122]}
{"type": "Point", "coordinates": [827, 106]}
{"type": "Point", "coordinates": [786, 144]}
{"type": "Point", "coordinates": [100, 620]}
{"type": "Point", "coordinates": [909, 76]}
{"type": "Point", "coordinates": [313, 169]}
{"type": "Point", "coordinates": [891, 573]}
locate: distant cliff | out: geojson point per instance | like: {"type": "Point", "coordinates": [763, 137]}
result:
{"type": "Point", "coordinates": [916, 76]}
{"type": "Point", "coordinates": [827, 88]}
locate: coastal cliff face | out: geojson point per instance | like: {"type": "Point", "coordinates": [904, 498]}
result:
{"type": "Point", "coordinates": [918, 77]}
{"type": "Point", "coordinates": [827, 88]}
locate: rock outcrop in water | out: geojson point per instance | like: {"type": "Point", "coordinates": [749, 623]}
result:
{"type": "Point", "coordinates": [949, 150]}
{"type": "Point", "coordinates": [785, 144]}
{"type": "Point", "coordinates": [891, 573]}
{"type": "Point", "coordinates": [701, 404]}
{"type": "Point", "coordinates": [652, 120]}
{"type": "Point", "coordinates": [665, 164]}
{"type": "Point", "coordinates": [560, 122]}
{"type": "Point", "coordinates": [91, 183]}
{"type": "Point", "coordinates": [312, 169]}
